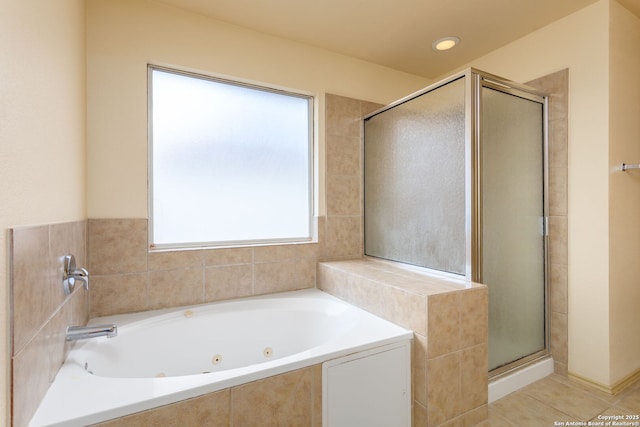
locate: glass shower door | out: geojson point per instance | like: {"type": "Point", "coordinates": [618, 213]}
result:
{"type": "Point", "coordinates": [414, 181]}
{"type": "Point", "coordinates": [512, 164]}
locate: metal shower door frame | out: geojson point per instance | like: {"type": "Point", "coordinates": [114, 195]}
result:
{"type": "Point", "coordinates": [479, 79]}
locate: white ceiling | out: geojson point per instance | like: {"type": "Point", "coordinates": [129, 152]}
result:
{"type": "Point", "coordinates": [395, 33]}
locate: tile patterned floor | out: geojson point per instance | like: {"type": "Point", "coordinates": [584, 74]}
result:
{"type": "Point", "coordinates": [557, 401]}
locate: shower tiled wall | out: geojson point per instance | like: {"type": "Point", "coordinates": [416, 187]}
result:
{"type": "Point", "coordinates": [557, 86]}
{"type": "Point", "coordinates": [343, 172]}
{"type": "Point", "coordinates": [40, 310]}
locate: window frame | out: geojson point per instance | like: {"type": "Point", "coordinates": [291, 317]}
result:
{"type": "Point", "coordinates": [311, 234]}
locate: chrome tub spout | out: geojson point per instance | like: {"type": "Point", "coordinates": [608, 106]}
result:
{"type": "Point", "coordinates": [83, 332]}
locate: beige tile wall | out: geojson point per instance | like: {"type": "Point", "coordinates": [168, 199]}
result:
{"type": "Point", "coordinates": [40, 310]}
{"type": "Point", "coordinates": [127, 277]}
{"type": "Point", "coordinates": [449, 319]}
{"type": "Point", "coordinates": [343, 174]}
{"type": "Point", "coordinates": [557, 86]}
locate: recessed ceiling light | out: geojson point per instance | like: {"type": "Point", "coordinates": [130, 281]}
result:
{"type": "Point", "coordinates": [445, 43]}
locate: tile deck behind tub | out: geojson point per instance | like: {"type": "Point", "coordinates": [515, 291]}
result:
{"type": "Point", "coordinates": [449, 317]}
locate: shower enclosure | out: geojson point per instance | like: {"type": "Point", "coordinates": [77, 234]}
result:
{"type": "Point", "coordinates": [455, 181]}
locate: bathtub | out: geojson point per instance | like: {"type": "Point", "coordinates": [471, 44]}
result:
{"type": "Point", "coordinates": [165, 356]}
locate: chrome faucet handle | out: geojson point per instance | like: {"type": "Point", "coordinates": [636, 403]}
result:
{"type": "Point", "coordinates": [70, 274]}
{"type": "Point", "coordinates": [83, 275]}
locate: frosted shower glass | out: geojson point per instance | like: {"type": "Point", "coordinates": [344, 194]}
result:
{"type": "Point", "coordinates": [512, 233]}
{"type": "Point", "coordinates": [415, 181]}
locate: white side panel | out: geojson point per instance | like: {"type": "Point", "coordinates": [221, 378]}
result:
{"type": "Point", "coordinates": [370, 388]}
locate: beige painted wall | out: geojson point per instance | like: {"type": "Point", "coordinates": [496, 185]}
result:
{"type": "Point", "coordinates": [603, 267]}
{"type": "Point", "coordinates": [624, 193]}
{"type": "Point", "coordinates": [125, 35]}
{"type": "Point", "coordinates": [42, 130]}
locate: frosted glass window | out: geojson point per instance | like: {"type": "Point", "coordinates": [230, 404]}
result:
{"type": "Point", "coordinates": [415, 209]}
{"type": "Point", "coordinates": [230, 163]}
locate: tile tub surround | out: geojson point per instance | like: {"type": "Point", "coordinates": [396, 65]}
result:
{"type": "Point", "coordinates": [297, 395]}
{"type": "Point", "coordinates": [449, 318]}
{"type": "Point", "coordinates": [127, 277]}
{"type": "Point", "coordinates": [40, 310]}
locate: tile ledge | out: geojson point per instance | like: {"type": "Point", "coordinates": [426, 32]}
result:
{"type": "Point", "coordinates": [417, 281]}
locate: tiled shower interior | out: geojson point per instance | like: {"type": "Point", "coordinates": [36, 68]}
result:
{"type": "Point", "coordinates": [126, 277]}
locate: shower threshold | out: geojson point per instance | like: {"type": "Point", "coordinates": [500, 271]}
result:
{"type": "Point", "coordinates": [519, 378]}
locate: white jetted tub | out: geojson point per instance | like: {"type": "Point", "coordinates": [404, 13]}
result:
{"type": "Point", "coordinates": [165, 356]}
